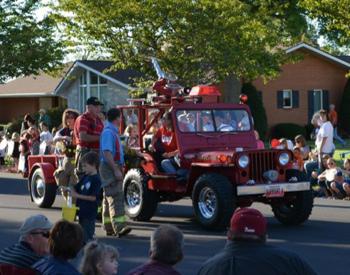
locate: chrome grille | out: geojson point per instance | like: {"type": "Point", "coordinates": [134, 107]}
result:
{"type": "Point", "coordinates": [259, 163]}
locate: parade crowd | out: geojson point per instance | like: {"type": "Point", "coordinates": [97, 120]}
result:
{"type": "Point", "coordinates": [92, 166]}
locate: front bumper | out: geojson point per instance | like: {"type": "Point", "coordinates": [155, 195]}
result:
{"type": "Point", "coordinates": [260, 189]}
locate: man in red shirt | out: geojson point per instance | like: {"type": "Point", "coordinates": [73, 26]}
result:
{"type": "Point", "coordinates": [87, 130]}
{"type": "Point", "coordinates": [165, 144]}
{"type": "Point", "coordinates": [333, 118]}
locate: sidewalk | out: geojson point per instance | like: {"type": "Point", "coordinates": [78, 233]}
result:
{"type": "Point", "coordinates": [8, 175]}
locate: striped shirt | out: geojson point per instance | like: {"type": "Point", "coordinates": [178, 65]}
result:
{"type": "Point", "coordinates": [89, 124]}
{"type": "Point", "coordinates": [20, 255]}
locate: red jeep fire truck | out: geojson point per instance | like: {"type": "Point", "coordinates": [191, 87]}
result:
{"type": "Point", "coordinates": [218, 153]}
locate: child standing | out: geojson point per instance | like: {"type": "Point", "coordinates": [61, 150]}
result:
{"type": "Point", "coordinates": [15, 153]}
{"type": "Point", "coordinates": [45, 137]}
{"type": "Point", "coordinates": [99, 259]}
{"type": "Point", "coordinates": [86, 192]}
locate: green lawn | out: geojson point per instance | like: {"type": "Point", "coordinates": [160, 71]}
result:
{"type": "Point", "coordinates": [339, 150]}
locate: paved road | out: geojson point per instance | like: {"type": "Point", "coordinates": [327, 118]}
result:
{"type": "Point", "coordinates": [324, 241]}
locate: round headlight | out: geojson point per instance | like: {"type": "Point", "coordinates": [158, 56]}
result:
{"type": "Point", "coordinates": [283, 158]}
{"type": "Point", "coordinates": [243, 161]}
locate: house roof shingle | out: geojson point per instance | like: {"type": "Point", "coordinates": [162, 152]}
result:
{"type": "Point", "coordinates": [42, 85]}
{"type": "Point", "coordinates": [337, 59]}
{"type": "Point", "coordinates": [345, 58]}
{"type": "Point", "coordinates": [32, 85]}
{"type": "Point", "coordinates": [125, 76]}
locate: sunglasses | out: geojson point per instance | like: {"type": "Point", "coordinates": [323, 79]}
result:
{"type": "Point", "coordinates": [44, 234]}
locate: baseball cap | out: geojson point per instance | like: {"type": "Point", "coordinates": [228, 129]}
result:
{"type": "Point", "coordinates": [34, 222]}
{"type": "Point", "coordinates": [248, 221]}
{"type": "Point", "coordinates": [93, 101]}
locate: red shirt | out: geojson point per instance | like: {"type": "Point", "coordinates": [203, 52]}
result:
{"type": "Point", "coordinates": [168, 139]}
{"type": "Point", "coordinates": [333, 117]}
{"type": "Point", "coordinates": [89, 124]}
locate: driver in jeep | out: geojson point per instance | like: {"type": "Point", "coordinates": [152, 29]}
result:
{"type": "Point", "coordinates": [221, 126]}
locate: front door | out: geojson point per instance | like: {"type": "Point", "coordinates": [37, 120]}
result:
{"type": "Point", "coordinates": [318, 99]}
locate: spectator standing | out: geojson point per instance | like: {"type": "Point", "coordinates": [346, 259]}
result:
{"type": "Point", "coordinates": [34, 140]}
{"type": "Point", "coordinates": [166, 248]}
{"type": "Point", "coordinates": [87, 131]}
{"type": "Point", "coordinates": [65, 241]}
{"type": "Point", "coordinates": [33, 243]}
{"type": "Point", "coordinates": [324, 138]}
{"type": "Point", "coordinates": [246, 251]}
{"type": "Point", "coordinates": [28, 122]}
{"type": "Point", "coordinates": [46, 137]}
{"type": "Point", "coordinates": [44, 117]}
{"type": "Point", "coordinates": [24, 153]}
{"type": "Point", "coordinates": [333, 118]}
{"type": "Point", "coordinates": [99, 259]}
{"type": "Point", "coordinates": [15, 153]}
{"type": "Point", "coordinates": [65, 134]}
{"type": "Point", "coordinates": [87, 194]}
{"type": "Point", "coordinates": [111, 172]}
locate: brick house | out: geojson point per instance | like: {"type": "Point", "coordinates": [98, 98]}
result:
{"type": "Point", "coordinates": [304, 87]}
{"type": "Point", "coordinates": [28, 95]}
{"type": "Point", "coordinates": [87, 78]}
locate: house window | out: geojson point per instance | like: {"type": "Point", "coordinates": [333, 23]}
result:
{"type": "Point", "coordinates": [287, 99]}
{"type": "Point", "coordinates": [318, 100]}
{"type": "Point", "coordinates": [91, 84]}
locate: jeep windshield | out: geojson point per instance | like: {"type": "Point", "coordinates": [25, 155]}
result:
{"type": "Point", "coordinates": [213, 121]}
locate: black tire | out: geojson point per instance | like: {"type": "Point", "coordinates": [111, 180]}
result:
{"type": "Point", "coordinates": [43, 194]}
{"type": "Point", "coordinates": [140, 202]}
{"type": "Point", "coordinates": [296, 211]}
{"type": "Point", "coordinates": [220, 189]}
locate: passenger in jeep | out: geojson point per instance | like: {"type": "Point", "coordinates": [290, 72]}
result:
{"type": "Point", "coordinates": [207, 125]}
{"type": "Point", "coordinates": [165, 145]}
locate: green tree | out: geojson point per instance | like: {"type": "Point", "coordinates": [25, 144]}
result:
{"type": "Point", "coordinates": [27, 45]}
{"type": "Point", "coordinates": [257, 108]}
{"type": "Point", "coordinates": [344, 112]}
{"type": "Point", "coordinates": [201, 41]}
{"type": "Point", "coordinates": [332, 18]}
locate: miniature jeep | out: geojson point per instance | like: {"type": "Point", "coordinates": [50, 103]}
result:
{"type": "Point", "coordinates": [224, 168]}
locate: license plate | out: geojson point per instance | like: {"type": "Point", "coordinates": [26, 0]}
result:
{"type": "Point", "coordinates": [274, 192]}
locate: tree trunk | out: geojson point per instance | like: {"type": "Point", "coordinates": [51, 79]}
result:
{"type": "Point", "coordinates": [231, 89]}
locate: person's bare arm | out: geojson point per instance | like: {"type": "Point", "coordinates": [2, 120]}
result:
{"type": "Point", "coordinates": [84, 136]}
{"type": "Point", "coordinates": [322, 175]}
{"type": "Point", "coordinates": [170, 154]}
{"type": "Point", "coordinates": [82, 197]}
{"type": "Point", "coordinates": [110, 161]}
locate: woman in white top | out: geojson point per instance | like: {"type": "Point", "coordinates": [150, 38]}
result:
{"type": "Point", "coordinates": [324, 139]}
